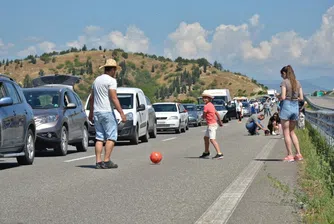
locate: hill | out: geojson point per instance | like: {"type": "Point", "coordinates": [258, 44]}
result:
{"type": "Point", "coordinates": [160, 78]}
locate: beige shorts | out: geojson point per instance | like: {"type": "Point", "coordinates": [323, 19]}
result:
{"type": "Point", "coordinates": [211, 131]}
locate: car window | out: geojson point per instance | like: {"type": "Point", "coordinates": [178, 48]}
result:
{"type": "Point", "coordinates": [182, 108]}
{"type": "Point", "coordinates": [79, 103]}
{"type": "Point", "coordinates": [12, 92]}
{"type": "Point", "coordinates": [126, 100]}
{"type": "Point", "coordinates": [42, 99]}
{"type": "Point", "coordinates": [2, 90]}
{"type": "Point", "coordinates": [190, 107]}
{"type": "Point", "coordinates": [148, 102]}
{"type": "Point", "coordinates": [164, 107]}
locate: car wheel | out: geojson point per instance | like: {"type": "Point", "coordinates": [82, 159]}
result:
{"type": "Point", "coordinates": [61, 149]}
{"type": "Point", "coordinates": [153, 133]}
{"type": "Point", "coordinates": [83, 145]}
{"type": "Point", "coordinates": [135, 138]}
{"type": "Point", "coordinates": [187, 126]}
{"type": "Point", "coordinates": [145, 137]}
{"type": "Point", "coordinates": [178, 130]}
{"type": "Point", "coordinates": [29, 150]}
{"type": "Point", "coordinates": [225, 120]}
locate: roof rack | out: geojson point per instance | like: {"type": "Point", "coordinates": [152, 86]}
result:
{"type": "Point", "coordinates": [6, 76]}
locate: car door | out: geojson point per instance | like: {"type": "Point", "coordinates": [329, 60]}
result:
{"type": "Point", "coordinates": [69, 114]}
{"type": "Point", "coordinates": [77, 120]}
{"type": "Point", "coordinates": [184, 114]}
{"type": "Point", "coordinates": [151, 113]}
{"type": "Point", "coordinates": [81, 116]}
{"type": "Point", "coordinates": [144, 113]}
{"type": "Point", "coordinates": [19, 119]}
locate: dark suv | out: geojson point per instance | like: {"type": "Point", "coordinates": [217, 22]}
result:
{"type": "Point", "coordinates": [17, 126]}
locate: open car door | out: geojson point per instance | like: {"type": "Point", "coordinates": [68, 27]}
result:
{"type": "Point", "coordinates": [56, 80]}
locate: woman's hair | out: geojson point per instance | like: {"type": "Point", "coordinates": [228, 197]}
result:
{"type": "Point", "coordinates": [290, 74]}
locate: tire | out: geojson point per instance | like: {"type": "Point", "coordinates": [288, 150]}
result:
{"type": "Point", "coordinates": [187, 126]}
{"type": "Point", "coordinates": [135, 138]}
{"type": "Point", "coordinates": [225, 120]}
{"type": "Point", "coordinates": [196, 125]}
{"type": "Point", "coordinates": [29, 150]}
{"type": "Point", "coordinates": [145, 137]}
{"type": "Point", "coordinates": [153, 134]}
{"type": "Point", "coordinates": [83, 145]}
{"type": "Point", "coordinates": [61, 149]}
{"type": "Point", "coordinates": [178, 130]}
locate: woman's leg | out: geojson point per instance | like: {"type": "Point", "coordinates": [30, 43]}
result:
{"type": "Point", "coordinates": [293, 136]}
{"type": "Point", "coordinates": [287, 137]}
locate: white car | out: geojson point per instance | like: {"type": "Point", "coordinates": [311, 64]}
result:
{"type": "Point", "coordinates": [134, 105]}
{"type": "Point", "coordinates": [171, 116]}
{"type": "Point", "coordinates": [221, 109]}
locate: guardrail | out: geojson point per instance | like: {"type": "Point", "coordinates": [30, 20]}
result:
{"type": "Point", "coordinates": [323, 121]}
{"type": "Point", "coordinates": [314, 106]}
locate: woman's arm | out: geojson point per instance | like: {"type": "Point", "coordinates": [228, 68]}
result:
{"type": "Point", "coordinates": [283, 94]}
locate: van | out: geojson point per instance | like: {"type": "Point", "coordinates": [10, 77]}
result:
{"type": "Point", "coordinates": [134, 104]}
{"type": "Point", "coordinates": [221, 96]}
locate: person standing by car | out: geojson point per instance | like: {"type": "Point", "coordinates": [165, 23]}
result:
{"type": "Point", "coordinates": [239, 110]}
{"type": "Point", "coordinates": [291, 92]}
{"type": "Point", "coordinates": [211, 116]}
{"type": "Point", "coordinates": [102, 101]}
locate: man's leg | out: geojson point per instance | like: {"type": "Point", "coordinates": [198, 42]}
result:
{"type": "Point", "coordinates": [212, 136]}
{"type": "Point", "coordinates": [108, 150]}
{"type": "Point", "coordinates": [98, 150]}
{"type": "Point", "coordinates": [99, 137]}
{"type": "Point", "coordinates": [110, 127]}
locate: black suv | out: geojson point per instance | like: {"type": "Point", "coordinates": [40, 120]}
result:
{"type": "Point", "coordinates": [17, 126]}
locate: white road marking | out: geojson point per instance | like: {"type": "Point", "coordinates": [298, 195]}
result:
{"type": "Point", "coordinates": [222, 209]}
{"type": "Point", "coordinates": [168, 139]}
{"type": "Point", "coordinates": [72, 160]}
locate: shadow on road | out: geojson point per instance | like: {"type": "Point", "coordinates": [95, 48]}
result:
{"type": "Point", "coordinates": [87, 166]}
{"type": "Point", "coordinates": [51, 153]}
{"type": "Point", "coordinates": [4, 166]}
{"type": "Point", "coordinates": [269, 160]}
{"type": "Point", "coordinates": [194, 157]}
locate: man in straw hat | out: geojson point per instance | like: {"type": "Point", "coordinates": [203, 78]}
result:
{"type": "Point", "coordinates": [211, 116]}
{"type": "Point", "coordinates": [102, 100]}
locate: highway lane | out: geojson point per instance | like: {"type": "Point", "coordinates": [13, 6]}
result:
{"type": "Point", "coordinates": [179, 190]}
{"type": "Point", "coordinates": [324, 101]}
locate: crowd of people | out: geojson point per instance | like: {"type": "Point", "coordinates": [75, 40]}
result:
{"type": "Point", "coordinates": [290, 111]}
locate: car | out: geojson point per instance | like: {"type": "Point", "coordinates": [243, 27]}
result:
{"type": "Point", "coordinates": [221, 109]}
{"type": "Point", "coordinates": [171, 116]}
{"type": "Point", "coordinates": [194, 117]}
{"type": "Point", "coordinates": [59, 116]}
{"type": "Point", "coordinates": [139, 123]}
{"type": "Point", "coordinates": [231, 110]}
{"type": "Point", "coordinates": [246, 109]}
{"type": "Point", "coordinates": [152, 119]}
{"type": "Point", "coordinates": [17, 127]}
{"type": "Point", "coordinates": [200, 108]}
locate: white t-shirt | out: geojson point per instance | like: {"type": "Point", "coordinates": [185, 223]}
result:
{"type": "Point", "coordinates": [256, 105]}
{"type": "Point", "coordinates": [101, 87]}
{"type": "Point", "coordinates": [239, 106]}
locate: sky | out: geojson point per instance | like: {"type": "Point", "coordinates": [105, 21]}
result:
{"type": "Point", "coordinates": [254, 37]}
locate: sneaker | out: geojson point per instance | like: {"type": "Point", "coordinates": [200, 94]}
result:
{"type": "Point", "coordinates": [298, 157]}
{"type": "Point", "coordinates": [289, 159]}
{"type": "Point", "coordinates": [110, 165]}
{"type": "Point", "coordinates": [218, 156]}
{"type": "Point", "coordinates": [205, 155]}
{"type": "Point", "coordinates": [100, 165]}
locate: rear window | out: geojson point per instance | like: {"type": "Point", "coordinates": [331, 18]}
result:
{"type": "Point", "coordinates": [42, 99]}
{"type": "Point", "coordinates": [165, 108]}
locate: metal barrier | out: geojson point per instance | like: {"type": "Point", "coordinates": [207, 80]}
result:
{"type": "Point", "coordinates": [323, 121]}
{"type": "Point", "coordinates": [314, 106]}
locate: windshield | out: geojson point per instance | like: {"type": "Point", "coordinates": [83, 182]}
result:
{"type": "Point", "coordinates": [190, 107]}
{"type": "Point", "coordinates": [42, 99]}
{"type": "Point", "coordinates": [126, 100]}
{"type": "Point", "coordinates": [165, 108]}
{"type": "Point", "coordinates": [219, 108]}
{"type": "Point", "coordinates": [245, 104]}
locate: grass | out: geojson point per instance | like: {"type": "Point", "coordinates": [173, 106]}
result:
{"type": "Point", "coordinates": [316, 177]}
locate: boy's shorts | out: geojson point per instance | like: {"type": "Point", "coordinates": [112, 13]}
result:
{"type": "Point", "coordinates": [105, 124]}
{"type": "Point", "coordinates": [211, 131]}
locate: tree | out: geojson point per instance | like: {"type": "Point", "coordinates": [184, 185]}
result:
{"type": "Point", "coordinates": [84, 48]}
{"type": "Point", "coordinates": [100, 48]}
{"type": "Point", "coordinates": [53, 60]}
{"type": "Point", "coordinates": [27, 82]}
{"type": "Point", "coordinates": [41, 72]}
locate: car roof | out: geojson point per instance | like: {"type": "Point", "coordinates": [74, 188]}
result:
{"type": "Point", "coordinates": [49, 88]}
{"type": "Point", "coordinates": [166, 103]}
{"type": "Point", "coordinates": [2, 76]}
{"type": "Point", "coordinates": [128, 90]}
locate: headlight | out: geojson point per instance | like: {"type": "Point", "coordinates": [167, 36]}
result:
{"type": "Point", "coordinates": [173, 118]}
{"type": "Point", "coordinates": [48, 119]}
{"type": "Point", "coordinates": [129, 116]}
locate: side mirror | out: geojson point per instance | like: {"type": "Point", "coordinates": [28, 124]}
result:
{"type": "Point", "coordinates": [141, 107]}
{"type": "Point", "coordinates": [6, 101]}
{"type": "Point", "coordinates": [71, 106]}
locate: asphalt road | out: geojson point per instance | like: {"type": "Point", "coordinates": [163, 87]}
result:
{"type": "Point", "coordinates": [325, 101]}
{"type": "Point", "coordinates": [181, 189]}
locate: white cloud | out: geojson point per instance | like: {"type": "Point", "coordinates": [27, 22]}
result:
{"type": "Point", "coordinates": [233, 45]}
{"type": "Point", "coordinates": [47, 46]}
{"type": "Point", "coordinates": [254, 21]}
{"type": "Point", "coordinates": [28, 51]}
{"type": "Point", "coordinates": [5, 47]}
{"type": "Point", "coordinates": [134, 40]}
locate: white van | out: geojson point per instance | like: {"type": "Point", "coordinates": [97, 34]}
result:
{"type": "Point", "coordinates": [134, 105]}
{"type": "Point", "coordinates": [221, 96]}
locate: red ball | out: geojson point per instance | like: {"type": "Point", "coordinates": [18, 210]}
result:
{"type": "Point", "coordinates": [156, 157]}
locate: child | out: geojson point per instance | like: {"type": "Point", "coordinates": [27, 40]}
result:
{"type": "Point", "coordinates": [210, 114]}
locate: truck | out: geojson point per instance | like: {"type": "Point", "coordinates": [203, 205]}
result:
{"type": "Point", "coordinates": [221, 96]}
{"type": "Point", "coordinates": [271, 92]}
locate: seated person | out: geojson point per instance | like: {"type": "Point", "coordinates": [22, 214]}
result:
{"type": "Point", "coordinates": [273, 124]}
{"type": "Point", "coordinates": [254, 123]}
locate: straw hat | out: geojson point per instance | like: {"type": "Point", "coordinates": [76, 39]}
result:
{"type": "Point", "coordinates": [111, 63]}
{"type": "Point", "coordinates": [206, 94]}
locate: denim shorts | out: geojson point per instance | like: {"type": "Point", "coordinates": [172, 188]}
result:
{"type": "Point", "coordinates": [105, 126]}
{"type": "Point", "coordinates": [289, 110]}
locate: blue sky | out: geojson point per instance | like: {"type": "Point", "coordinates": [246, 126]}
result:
{"type": "Point", "coordinates": [217, 30]}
